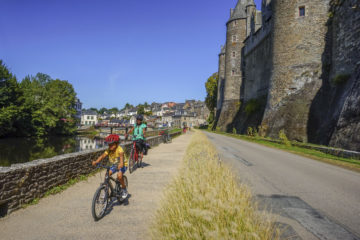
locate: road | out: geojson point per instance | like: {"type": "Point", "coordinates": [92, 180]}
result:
{"type": "Point", "coordinates": [68, 215]}
{"type": "Point", "coordinates": [318, 200]}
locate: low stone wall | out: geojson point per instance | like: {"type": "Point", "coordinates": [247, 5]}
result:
{"type": "Point", "coordinates": [22, 183]}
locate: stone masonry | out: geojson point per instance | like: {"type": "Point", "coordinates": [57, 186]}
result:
{"type": "Point", "coordinates": [302, 56]}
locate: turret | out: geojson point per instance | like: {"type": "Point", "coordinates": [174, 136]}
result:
{"type": "Point", "coordinates": [298, 45]}
{"type": "Point", "coordinates": [235, 36]}
{"type": "Point", "coordinates": [221, 81]}
{"type": "Point", "coordinates": [250, 12]}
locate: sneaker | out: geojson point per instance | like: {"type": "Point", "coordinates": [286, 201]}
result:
{"type": "Point", "coordinates": [124, 193]}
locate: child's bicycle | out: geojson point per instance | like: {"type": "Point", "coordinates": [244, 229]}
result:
{"type": "Point", "coordinates": [134, 158]}
{"type": "Point", "coordinates": [105, 193]}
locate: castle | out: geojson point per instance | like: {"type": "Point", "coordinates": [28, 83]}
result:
{"type": "Point", "coordinates": [293, 66]}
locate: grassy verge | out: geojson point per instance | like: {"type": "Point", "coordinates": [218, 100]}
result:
{"type": "Point", "coordinates": [206, 202]}
{"type": "Point", "coordinates": [61, 188]}
{"type": "Point", "coordinates": [348, 163]}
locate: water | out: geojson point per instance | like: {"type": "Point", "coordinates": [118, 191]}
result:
{"type": "Point", "coordinates": [21, 150]}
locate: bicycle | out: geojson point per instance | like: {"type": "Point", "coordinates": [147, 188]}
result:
{"type": "Point", "coordinates": [105, 193]}
{"type": "Point", "coordinates": [134, 157]}
{"type": "Point", "coordinates": [166, 136]}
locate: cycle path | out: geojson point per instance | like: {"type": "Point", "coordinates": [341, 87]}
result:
{"type": "Point", "coordinates": [68, 215]}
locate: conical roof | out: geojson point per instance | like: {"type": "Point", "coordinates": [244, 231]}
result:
{"type": "Point", "coordinates": [240, 9]}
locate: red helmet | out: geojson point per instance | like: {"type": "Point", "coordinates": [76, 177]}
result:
{"type": "Point", "coordinates": [113, 138]}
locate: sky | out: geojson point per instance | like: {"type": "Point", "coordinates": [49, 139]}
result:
{"type": "Point", "coordinates": [117, 51]}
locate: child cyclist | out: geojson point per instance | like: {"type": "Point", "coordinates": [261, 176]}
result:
{"type": "Point", "coordinates": [117, 159]}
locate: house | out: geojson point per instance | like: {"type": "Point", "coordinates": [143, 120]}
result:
{"type": "Point", "coordinates": [132, 120]}
{"type": "Point", "coordinates": [188, 120]}
{"type": "Point", "coordinates": [132, 112]}
{"type": "Point", "coordinates": [167, 119]}
{"type": "Point", "coordinates": [89, 118]}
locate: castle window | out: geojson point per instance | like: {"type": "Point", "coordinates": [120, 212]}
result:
{"type": "Point", "coordinates": [234, 38]}
{"type": "Point", "coordinates": [302, 11]}
{"type": "Point", "coordinates": [233, 72]}
{"type": "Point", "coordinates": [234, 54]}
{"type": "Point", "coordinates": [235, 23]}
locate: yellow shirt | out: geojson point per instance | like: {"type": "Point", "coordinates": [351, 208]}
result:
{"type": "Point", "coordinates": [114, 156]}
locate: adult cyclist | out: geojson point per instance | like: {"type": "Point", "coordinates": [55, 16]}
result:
{"type": "Point", "coordinates": [139, 134]}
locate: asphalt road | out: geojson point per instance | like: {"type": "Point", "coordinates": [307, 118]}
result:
{"type": "Point", "coordinates": [317, 200]}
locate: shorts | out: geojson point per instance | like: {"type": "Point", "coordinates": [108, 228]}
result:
{"type": "Point", "coordinates": [114, 169]}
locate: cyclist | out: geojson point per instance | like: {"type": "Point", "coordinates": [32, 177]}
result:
{"type": "Point", "coordinates": [139, 132]}
{"type": "Point", "coordinates": [117, 159]}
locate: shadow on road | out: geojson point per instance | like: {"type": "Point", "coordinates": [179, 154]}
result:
{"type": "Point", "coordinates": [115, 202]}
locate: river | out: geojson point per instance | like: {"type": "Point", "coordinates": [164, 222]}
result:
{"type": "Point", "coordinates": [21, 150]}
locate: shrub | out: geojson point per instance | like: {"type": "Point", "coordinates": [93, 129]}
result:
{"type": "Point", "coordinates": [234, 131]}
{"type": "Point", "coordinates": [263, 129]}
{"type": "Point", "coordinates": [250, 131]}
{"type": "Point", "coordinates": [284, 138]}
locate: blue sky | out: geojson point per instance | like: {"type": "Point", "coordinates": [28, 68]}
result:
{"type": "Point", "coordinates": [117, 51]}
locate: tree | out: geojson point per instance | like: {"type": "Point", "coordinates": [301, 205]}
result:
{"type": "Point", "coordinates": [48, 106]}
{"type": "Point", "coordinates": [114, 110]}
{"type": "Point", "coordinates": [102, 110]}
{"type": "Point", "coordinates": [128, 106]}
{"type": "Point", "coordinates": [211, 97]}
{"type": "Point", "coordinates": [140, 109]}
{"type": "Point", "coordinates": [10, 101]}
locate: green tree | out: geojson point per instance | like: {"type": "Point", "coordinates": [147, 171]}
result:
{"type": "Point", "coordinates": [140, 109]}
{"type": "Point", "coordinates": [128, 106]}
{"type": "Point", "coordinates": [114, 110]}
{"type": "Point", "coordinates": [10, 102]}
{"type": "Point", "coordinates": [102, 110]}
{"type": "Point", "coordinates": [211, 86]}
{"type": "Point", "coordinates": [49, 105]}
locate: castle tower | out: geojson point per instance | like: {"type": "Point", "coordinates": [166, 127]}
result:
{"type": "Point", "coordinates": [235, 35]}
{"type": "Point", "coordinates": [250, 12]}
{"type": "Point", "coordinates": [298, 39]}
{"type": "Point", "coordinates": [221, 82]}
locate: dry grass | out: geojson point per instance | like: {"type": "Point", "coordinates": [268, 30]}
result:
{"type": "Point", "coordinates": [206, 202]}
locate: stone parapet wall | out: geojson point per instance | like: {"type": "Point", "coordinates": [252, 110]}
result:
{"type": "Point", "coordinates": [22, 183]}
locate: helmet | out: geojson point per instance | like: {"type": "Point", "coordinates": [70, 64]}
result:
{"type": "Point", "coordinates": [140, 117]}
{"type": "Point", "coordinates": [113, 138]}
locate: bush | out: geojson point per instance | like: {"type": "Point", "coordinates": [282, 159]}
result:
{"type": "Point", "coordinates": [284, 138]}
{"type": "Point", "coordinates": [250, 131]}
{"type": "Point", "coordinates": [234, 131]}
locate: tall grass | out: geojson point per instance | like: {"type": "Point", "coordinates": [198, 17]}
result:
{"type": "Point", "coordinates": [206, 202]}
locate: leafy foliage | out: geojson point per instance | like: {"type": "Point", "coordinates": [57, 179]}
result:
{"type": "Point", "coordinates": [211, 86]}
{"type": "Point", "coordinates": [37, 106]}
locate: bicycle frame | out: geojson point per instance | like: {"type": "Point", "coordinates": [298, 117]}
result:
{"type": "Point", "coordinates": [107, 182]}
{"type": "Point", "coordinates": [136, 152]}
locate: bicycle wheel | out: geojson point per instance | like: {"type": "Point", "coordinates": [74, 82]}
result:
{"type": "Point", "coordinates": [131, 161]}
{"type": "Point", "coordinates": [99, 203]}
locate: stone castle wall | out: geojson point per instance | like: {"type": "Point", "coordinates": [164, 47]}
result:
{"type": "Point", "coordinates": [308, 69]}
{"type": "Point", "coordinates": [298, 44]}
{"type": "Point", "coordinates": [257, 64]}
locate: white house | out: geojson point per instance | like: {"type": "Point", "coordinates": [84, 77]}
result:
{"type": "Point", "coordinates": [89, 118]}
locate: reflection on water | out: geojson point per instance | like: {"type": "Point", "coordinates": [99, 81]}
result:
{"type": "Point", "coordinates": [21, 150]}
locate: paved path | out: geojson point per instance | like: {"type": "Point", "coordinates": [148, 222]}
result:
{"type": "Point", "coordinates": [320, 201]}
{"type": "Point", "coordinates": [68, 215]}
